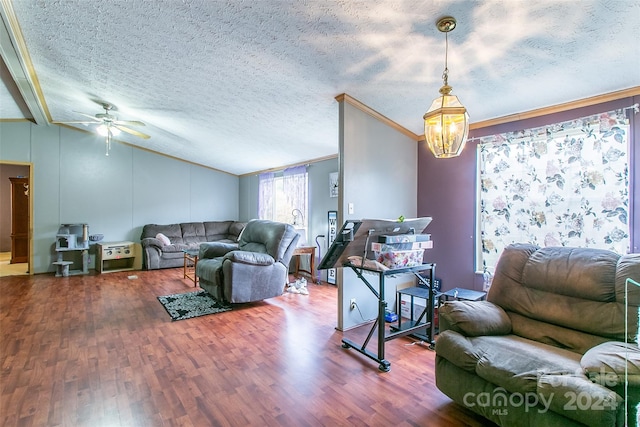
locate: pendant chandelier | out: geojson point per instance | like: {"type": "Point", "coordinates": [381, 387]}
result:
{"type": "Point", "coordinates": [446, 123]}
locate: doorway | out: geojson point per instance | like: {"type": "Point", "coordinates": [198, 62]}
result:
{"type": "Point", "coordinates": [16, 218]}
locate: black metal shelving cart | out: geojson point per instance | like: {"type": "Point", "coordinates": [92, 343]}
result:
{"type": "Point", "coordinates": [423, 328]}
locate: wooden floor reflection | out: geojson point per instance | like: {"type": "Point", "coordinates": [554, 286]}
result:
{"type": "Point", "coordinates": [100, 350]}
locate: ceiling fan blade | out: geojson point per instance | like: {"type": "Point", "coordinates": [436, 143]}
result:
{"type": "Point", "coordinates": [129, 122]}
{"type": "Point", "coordinates": [87, 115]}
{"type": "Point", "coordinates": [74, 123]}
{"type": "Point", "coordinates": [132, 132]}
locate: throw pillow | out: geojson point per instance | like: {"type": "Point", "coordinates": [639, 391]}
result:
{"type": "Point", "coordinates": [605, 363]}
{"type": "Point", "coordinates": [475, 318]}
{"type": "Point", "coordinates": [164, 239]}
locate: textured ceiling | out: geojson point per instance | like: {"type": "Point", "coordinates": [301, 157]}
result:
{"type": "Point", "coordinates": [243, 86]}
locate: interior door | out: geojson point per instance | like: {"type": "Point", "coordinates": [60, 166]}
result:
{"type": "Point", "coordinates": [19, 220]}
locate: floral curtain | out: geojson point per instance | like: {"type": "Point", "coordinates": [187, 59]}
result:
{"type": "Point", "coordinates": [562, 185]}
{"type": "Point", "coordinates": [266, 199]}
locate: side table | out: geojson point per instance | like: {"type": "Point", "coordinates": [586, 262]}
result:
{"type": "Point", "coordinates": [426, 317]}
{"type": "Point", "coordinates": [306, 250]}
{"type": "Point", "coordinates": [190, 263]}
{"type": "Point", "coordinates": [464, 294]}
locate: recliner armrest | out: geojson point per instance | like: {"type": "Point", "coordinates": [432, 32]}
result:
{"type": "Point", "coordinates": [474, 318]}
{"type": "Point", "coordinates": [608, 363]}
{"type": "Point", "coordinates": [253, 258]}
{"type": "Point", "coordinates": [151, 241]}
{"type": "Point", "coordinates": [215, 249]}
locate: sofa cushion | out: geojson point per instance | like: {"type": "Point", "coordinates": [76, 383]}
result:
{"type": "Point", "coordinates": [252, 258]}
{"type": "Point", "coordinates": [193, 232]}
{"type": "Point", "coordinates": [557, 336]}
{"type": "Point", "coordinates": [577, 398]}
{"type": "Point", "coordinates": [172, 231]}
{"type": "Point", "coordinates": [516, 363]}
{"type": "Point", "coordinates": [606, 363]}
{"type": "Point", "coordinates": [558, 285]}
{"type": "Point", "coordinates": [509, 361]}
{"type": "Point", "coordinates": [228, 242]}
{"type": "Point", "coordinates": [235, 230]}
{"type": "Point", "coordinates": [474, 318]}
{"type": "Point", "coordinates": [574, 272]}
{"type": "Point", "coordinates": [180, 247]}
{"type": "Point", "coordinates": [216, 230]}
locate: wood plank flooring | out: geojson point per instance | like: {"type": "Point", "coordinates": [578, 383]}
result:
{"type": "Point", "coordinates": [100, 350]}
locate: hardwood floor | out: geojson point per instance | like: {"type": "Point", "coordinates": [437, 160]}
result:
{"type": "Point", "coordinates": [100, 350]}
{"type": "Point", "coordinates": [8, 269]}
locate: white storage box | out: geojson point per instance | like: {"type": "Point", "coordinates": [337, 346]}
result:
{"type": "Point", "coordinates": [418, 307]}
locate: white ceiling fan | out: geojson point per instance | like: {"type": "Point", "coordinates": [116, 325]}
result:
{"type": "Point", "coordinates": [109, 125]}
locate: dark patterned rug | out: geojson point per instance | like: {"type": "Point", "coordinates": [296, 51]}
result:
{"type": "Point", "coordinates": [191, 304]}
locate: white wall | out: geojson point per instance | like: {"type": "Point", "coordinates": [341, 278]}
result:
{"type": "Point", "coordinates": [378, 167]}
{"type": "Point", "coordinates": [74, 182]}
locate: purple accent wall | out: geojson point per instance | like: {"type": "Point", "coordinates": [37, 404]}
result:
{"type": "Point", "coordinates": [447, 192]}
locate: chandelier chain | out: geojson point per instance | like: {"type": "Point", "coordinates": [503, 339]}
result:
{"type": "Point", "coordinates": [445, 73]}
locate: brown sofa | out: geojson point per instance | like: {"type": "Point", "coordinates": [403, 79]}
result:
{"type": "Point", "coordinates": [187, 235]}
{"type": "Point", "coordinates": [547, 347]}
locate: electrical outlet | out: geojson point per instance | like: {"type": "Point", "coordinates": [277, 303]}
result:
{"type": "Point", "coordinates": [352, 304]}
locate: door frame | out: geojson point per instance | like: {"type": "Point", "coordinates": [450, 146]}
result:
{"type": "Point", "coordinates": [30, 166]}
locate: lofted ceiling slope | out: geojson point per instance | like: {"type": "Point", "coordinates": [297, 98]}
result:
{"type": "Point", "coordinates": [243, 86]}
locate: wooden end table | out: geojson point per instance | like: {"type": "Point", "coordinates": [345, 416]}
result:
{"type": "Point", "coordinates": [190, 263]}
{"type": "Point", "coordinates": [306, 250]}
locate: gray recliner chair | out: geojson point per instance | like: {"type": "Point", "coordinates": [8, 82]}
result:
{"type": "Point", "coordinates": [256, 269]}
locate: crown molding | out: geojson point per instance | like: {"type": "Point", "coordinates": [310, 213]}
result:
{"type": "Point", "coordinates": [13, 50]}
{"type": "Point", "coordinates": [281, 168]}
{"type": "Point", "coordinates": [382, 118]}
{"type": "Point", "coordinates": [571, 105]}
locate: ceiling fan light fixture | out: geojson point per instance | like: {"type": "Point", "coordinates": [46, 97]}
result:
{"type": "Point", "coordinates": [102, 130]}
{"type": "Point", "coordinates": [109, 125]}
{"type": "Point", "coordinates": [446, 123]}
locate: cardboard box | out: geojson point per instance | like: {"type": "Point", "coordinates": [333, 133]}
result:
{"type": "Point", "coordinates": [418, 307]}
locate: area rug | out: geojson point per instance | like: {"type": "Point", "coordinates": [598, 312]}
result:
{"type": "Point", "coordinates": [191, 304]}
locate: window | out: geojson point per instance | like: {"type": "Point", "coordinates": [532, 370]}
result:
{"type": "Point", "coordinates": [562, 185]}
{"type": "Point", "coordinates": [284, 197]}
